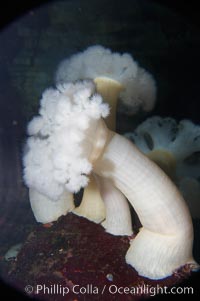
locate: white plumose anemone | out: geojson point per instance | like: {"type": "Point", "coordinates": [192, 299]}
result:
{"type": "Point", "coordinates": [175, 147]}
{"type": "Point", "coordinates": [139, 88]}
{"type": "Point", "coordinates": [56, 156]}
{"type": "Point", "coordinates": [164, 242]}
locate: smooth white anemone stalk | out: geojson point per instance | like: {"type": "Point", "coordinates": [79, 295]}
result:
{"type": "Point", "coordinates": [175, 148]}
{"type": "Point", "coordinates": [118, 217]}
{"type": "Point", "coordinates": [45, 210]}
{"type": "Point", "coordinates": [117, 77]}
{"type": "Point", "coordinates": [55, 160]}
{"type": "Point", "coordinates": [165, 240]}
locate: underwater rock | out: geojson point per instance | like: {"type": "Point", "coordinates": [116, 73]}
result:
{"type": "Point", "coordinates": [75, 259]}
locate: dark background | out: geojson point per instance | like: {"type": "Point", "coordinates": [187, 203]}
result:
{"type": "Point", "coordinates": [177, 107]}
{"type": "Point", "coordinates": [188, 9]}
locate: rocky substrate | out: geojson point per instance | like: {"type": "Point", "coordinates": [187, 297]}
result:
{"type": "Point", "coordinates": [75, 259]}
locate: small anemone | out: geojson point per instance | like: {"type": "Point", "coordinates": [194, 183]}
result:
{"type": "Point", "coordinates": [98, 62]}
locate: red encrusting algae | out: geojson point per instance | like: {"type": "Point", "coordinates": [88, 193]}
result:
{"type": "Point", "coordinates": [75, 259]}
